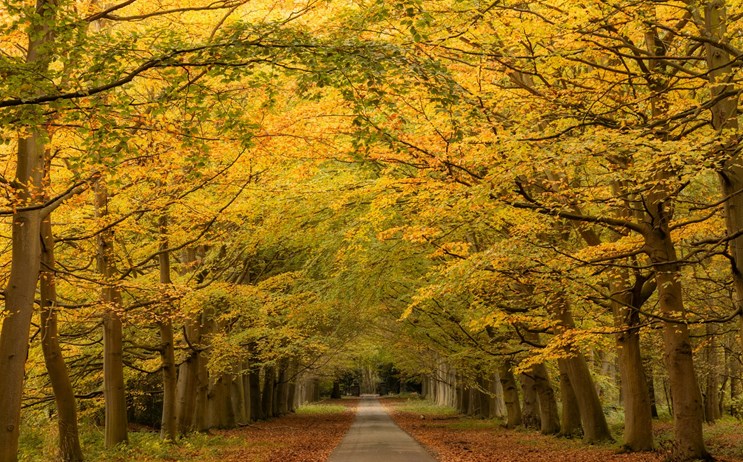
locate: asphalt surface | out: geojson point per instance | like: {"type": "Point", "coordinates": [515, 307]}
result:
{"type": "Point", "coordinates": [374, 437]}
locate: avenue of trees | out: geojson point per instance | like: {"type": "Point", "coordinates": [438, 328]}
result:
{"type": "Point", "coordinates": [212, 206]}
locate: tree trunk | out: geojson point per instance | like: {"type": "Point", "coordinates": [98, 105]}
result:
{"type": "Point", "coordinates": [548, 416]}
{"type": "Point", "coordinates": [734, 364]}
{"type": "Point", "coordinates": [638, 435]}
{"type": "Point", "coordinates": [188, 377]}
{"type": "Point", "coordinates": [725, 119]}
{"type": "Point", "coordinates": [688, 412]}
{"type": "Point", "coordinates": [712, 384]}
{"type": "Point", "coordinates": [282, 389]}
{"type": "Point", "coordinates": [113, 366]}
{"type": "Point", "coordinates": [64, 396]}
{"type": "Point", "coordinates": [650, 375]}
{"type": "Point", "coordinates": [510, 395]}
{"type": "Point", "coordinates": [221, 414]}
{"type": "Point", "coordinates": [570, 419]}
{"type": "Point", "coordinates": [592, 417]}
{"type": "Point", "coordinates": [26, 247]}
{"type": "Point", "coordinates": [201, 414]}
{"type": "Point", "coordinates": [336, 392]}
{"type": "Point", "coordinates": [638, 420]}
{"type": "Point", "coordinates": [246, 391]}
{"type": "Point", "coordinates": [530, 411]}
{"type": "Point", "coordinates": [168, 428]}
{"type": "Point", "coordinates": [256, 409]}
{"type": "Point", "coordinates": [269, 381]}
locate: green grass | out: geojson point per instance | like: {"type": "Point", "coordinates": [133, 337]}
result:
{"type": "Point", "coordinates": [321, 408]}
{"type": "Point", "coordinates": [426, 408]}
{"type": "Point", "coordinates": [38, 443]}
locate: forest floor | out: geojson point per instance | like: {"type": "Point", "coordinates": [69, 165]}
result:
{"type": "Point", "coordinates": [311, 434]}
{"type": "Point", "coordinates": [455, 438]}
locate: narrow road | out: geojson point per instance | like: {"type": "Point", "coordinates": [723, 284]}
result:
{"type": "Point", "coordinates": [374, 437]}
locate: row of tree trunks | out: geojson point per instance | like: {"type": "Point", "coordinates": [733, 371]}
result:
{"type": "Point", "coordinates": [234, 398]}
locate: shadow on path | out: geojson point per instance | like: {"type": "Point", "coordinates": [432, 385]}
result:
{"type": "Point", "coordinates": [374, 437]}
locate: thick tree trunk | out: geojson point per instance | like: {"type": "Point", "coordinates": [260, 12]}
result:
{"type": "Point", "coordinates": [26, 247]}
{"type": "Point", "coordinates": [239, 407]}
{"type": "Point", "coordinates": [530, 410]}
{"type": "Point", "coordinates": [510, 395]}
{"type": "Point", "coordinates": [269, 382]}
{"type": "Point", "coordinates": [638, 420]}
{"type": "Point", "coordinates": [592, 417]}
{"type": "Point", "coordinates": [549, 419]}
{"type": "Point", "coordinates": [638, 435]}
{"type": "Point", "coordinates": [688, 412]}
{"type": "Point", "coordinates": [114, 391]}
{"type": "Point", "coordinates": [256, 408]}
{"type": "Point", "coordinates": [548, 416]}
{"type": "Point", "coordinates": [220, 408]}
{"type": "Point", "coordinates": [570, 418]}
{"type": "Point", "coordinates": [725, 121]}
{"type": "Point", "coordinates": [64, 396]}
{"type": "Point", "coordinates": [186, 394]}
{"type": "Point", "coordinates": [19, 301]}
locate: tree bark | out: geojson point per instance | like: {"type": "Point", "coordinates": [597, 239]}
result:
{"type": "Point", "coordinates": [26, 246]}
{"type": "Point", "coordinates": [282, 390]}
{"type": "Point", "coordinates": [114, 391]}
{"type": "Point", "coordinates": [570, 418]}
{"type": "Point", "coordinates": [269, 382]}
{"type": "Point", "coordinates": [188, 379]}
{"type": "Point", "coordinates": [510, 395]}
{"type": "Point", "coordinates": [650, 375]}
{"type": "Point", "coordinates": [201, 414]}
{"type": "Point", "coordinates": [688, 412]}
{"type": "Point", "coordinates": [256, 408]}
{"type": "Point", "coordinates": [530, 411]}
{"type": "Point", "coordinates": [64, 395]}
{"type": "Point", "coordinates": [712, 384]}
{"type": "Point", "coordinates": [168, 428]}
{"type": "Point", "coordinates": [592, 417]}
{"type": "Point", "coordinates": [638, 419]}
{"type": "Point", "coordinates": [725, 121]}
{"type": "Point", "coordinates": [548, 416]}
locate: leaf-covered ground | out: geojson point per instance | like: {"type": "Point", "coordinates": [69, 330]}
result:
{"type": "Point", "coordinates": [309, 435]}
{"type": "Point", "coordinates": [453, 438]}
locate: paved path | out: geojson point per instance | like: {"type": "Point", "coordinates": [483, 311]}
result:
{"type": "Point", "coordinates": [374, 437]}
